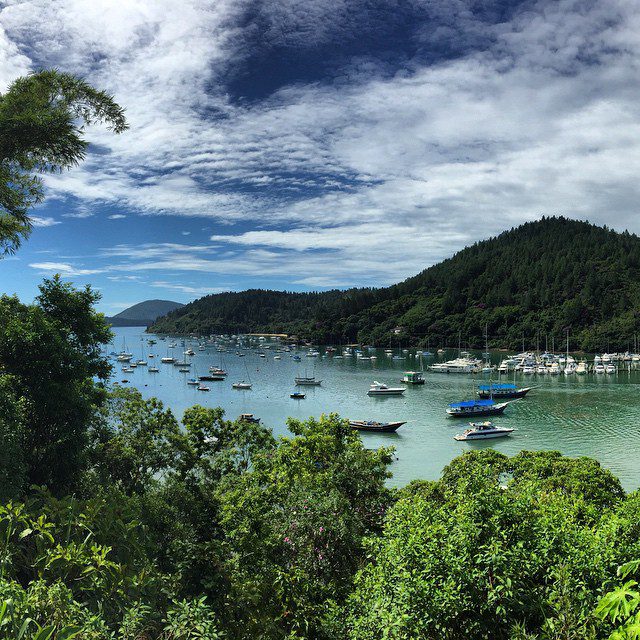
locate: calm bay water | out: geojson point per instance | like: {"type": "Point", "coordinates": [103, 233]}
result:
{"type": "Point", "coordinates": [596, 416]}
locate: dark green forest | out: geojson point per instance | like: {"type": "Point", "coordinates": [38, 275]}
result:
{"type": "Point", "coordinates": [530, 283]}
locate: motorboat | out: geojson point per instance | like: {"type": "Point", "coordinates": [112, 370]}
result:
{"type": "Point", "coordinates": [458, 365]}
{"type": "Point", "coordinates": [203, 387]}
{"type": "Point", "coordinates": [372, 425]}
{"type": "Point", "coordinates": [475, 408]}
{"type": "Point", "coordinates": [483, 431]}
{"type": "Point", "coordinates": [241, 385]}
{"type": "Point", "coordinates": [297, 395]}
{"type": "Point", "coordinates": [167, 360]}
{"type": "Point", "coordinates": [413, 377]}
{"type": "Point", "coordinates": [193, 381]}
{"type": "Point", "coordinates": [248, 417]}
{"type": "Point", "coordinates": [581, 369]}
{"type": "Point", "coordinates": [380, 389]}
{"type": "Point", "coordinates": [502, 390]}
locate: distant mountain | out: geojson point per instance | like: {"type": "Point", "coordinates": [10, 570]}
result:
{"type": "Point", "coordinates": [143, 313]}
{"type": "Point", "coordinates": [528, 285]}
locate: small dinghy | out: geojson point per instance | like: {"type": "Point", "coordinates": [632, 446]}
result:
{"type": "Point", "coordinates": [483, 431]}
{"type": "Point", "coordinates": [372, 425]}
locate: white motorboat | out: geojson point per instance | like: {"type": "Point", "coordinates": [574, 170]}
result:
{"type": "Point", "coordinates": [458, 365]}
{"type": "Point", "coordinates": [380, 389]}
{"type": "Point", "coordinates": [241, 385]}
{"type": "Point", "coordinates": [483, 431]}
{"type": "Point", "coordinates": [581, 369]}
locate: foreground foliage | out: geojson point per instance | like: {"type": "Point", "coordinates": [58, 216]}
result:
{"type": "Point", "coordinates": [118, 520]}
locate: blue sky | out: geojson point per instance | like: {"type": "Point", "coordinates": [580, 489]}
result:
{"type": "Point", "coordinates": [323, 143]}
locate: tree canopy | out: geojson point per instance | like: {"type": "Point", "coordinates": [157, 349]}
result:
{"type": "Point", "coordinates": [42, 121]}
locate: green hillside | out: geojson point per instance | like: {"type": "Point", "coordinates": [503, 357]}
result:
{"type": "Point", "coordinates": [530, 282]}
{"type": "Point", "coordinates": [143, 313]}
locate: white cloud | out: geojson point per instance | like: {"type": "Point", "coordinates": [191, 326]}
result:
{"type": "Point", "coordinates": [64, 269]}
{"type": "Point", "coordinates": [192, 290]}
{"type": "Point", "coordinates": [81, 212]}
{"type": "Point", "coordinates": [117, 216]}
{"type": "Point", "coordinates": [43, 221]}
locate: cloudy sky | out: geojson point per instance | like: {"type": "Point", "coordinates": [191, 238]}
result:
{"type": "Point", "coordinates": [301, 144]}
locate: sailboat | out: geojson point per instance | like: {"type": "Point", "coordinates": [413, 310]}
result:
{"type": "Point", "coordinates": [124, 355]}
{"type": "Point", "coordinates": [308, 381]}
{"type": "Point", "coordinates": [242, 384]}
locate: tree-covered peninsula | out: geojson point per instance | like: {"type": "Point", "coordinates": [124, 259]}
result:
{"type": "Point", "coordinates": [531, 283]}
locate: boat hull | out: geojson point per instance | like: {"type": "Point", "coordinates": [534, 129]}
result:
{"type": "Point", "coordinates": [385, 392]}
{"type": "Point", "coordinates": [376, 427]}
{"type": "Point", "coordinates": [508, 395]}
{"type": "Point", "coordinates": [486, 411]}
{"type": "Point", "coordinates": [483, 436]}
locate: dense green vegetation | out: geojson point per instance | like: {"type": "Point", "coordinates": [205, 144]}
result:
{"type": "Point", "coordinates": [210, 528]}
{"type": "Point", "coordinates": [119, 521]}
{"type": "Point", "coordinates": [41, 131]}
{"type": "Point", "coordinates": [533, 282]}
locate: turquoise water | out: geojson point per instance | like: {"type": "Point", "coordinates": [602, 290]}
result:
{"type": "Point", "coordinates": [596, 416]}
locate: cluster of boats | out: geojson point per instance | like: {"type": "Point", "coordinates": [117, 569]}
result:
{"type": "Point", "coordinates": [530, 363]}
{"type": "Point", "coordinates": [492, 397]}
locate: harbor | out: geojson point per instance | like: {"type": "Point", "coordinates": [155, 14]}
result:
{"type": "Point", "coordinates": [579, 415]}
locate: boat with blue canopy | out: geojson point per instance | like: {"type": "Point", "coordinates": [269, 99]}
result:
{"type": "Point", "coordinates": [480, 407]}
{"type": "Point", "coordinates": [502, 390]}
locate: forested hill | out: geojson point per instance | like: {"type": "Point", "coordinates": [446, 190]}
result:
{"type": "Point", "coordinates": [143, 313]}
{"type": "Point", "coordinates": [535, 280]}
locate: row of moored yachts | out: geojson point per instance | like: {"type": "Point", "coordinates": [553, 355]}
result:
{"type": "Point", "coordinates": [530, 363]}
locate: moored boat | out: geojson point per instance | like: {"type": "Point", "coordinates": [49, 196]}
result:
{"type": "Point", "coordinates": [308, 381]}
{"type": "Point", "coordinates": [297, 395]}
{"type": "Point", "coordinates": [372, 425]}
{"type": "Point", "coordinates": [241, 385]}
{"type": "Point", "coordinates": [413, 377]}
{"type": "Point", "coordinates": [483, 431]}
{"type": "Point", "coordinates": [502, 390]}
{"type": "Point", "coordinates": [475, 408]}
{"type": "Point", "coordinates": [380, 389]}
